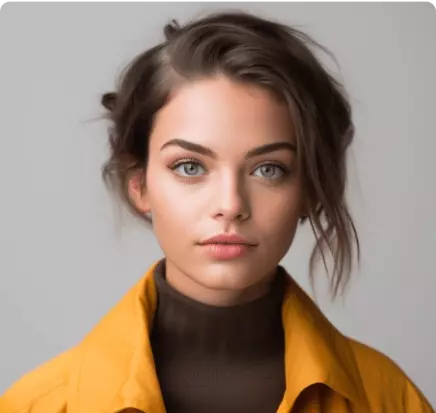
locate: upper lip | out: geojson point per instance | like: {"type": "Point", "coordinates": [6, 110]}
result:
{"type": "Point", "coordinates": [227, 239]}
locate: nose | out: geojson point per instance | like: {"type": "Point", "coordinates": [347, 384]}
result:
{"type": "Point", "coordinates": [232, 200]}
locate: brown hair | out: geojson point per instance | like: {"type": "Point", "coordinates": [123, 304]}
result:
{"type": "Point", "coordinates": [249, 49]}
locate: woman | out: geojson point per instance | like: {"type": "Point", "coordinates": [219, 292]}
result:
{"type": "Point", "coordinates": [225, 137]}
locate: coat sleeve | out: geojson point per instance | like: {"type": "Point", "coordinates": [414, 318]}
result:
{"type": "Point", "coordinates": [414, 401]}
{"type": "Point", "coordinates": [43, 390]}
{"type": "Point", "coordinates": [18, 401]}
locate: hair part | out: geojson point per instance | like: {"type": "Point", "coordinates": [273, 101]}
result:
{"type": "Point", "coordinates": [260, 52]}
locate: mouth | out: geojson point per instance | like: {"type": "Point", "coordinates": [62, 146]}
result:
{"type": "Point", "coordinates": [227, 246]}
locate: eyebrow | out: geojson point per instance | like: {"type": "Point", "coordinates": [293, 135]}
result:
{"type": "Point", "coordinates": [260, 150]}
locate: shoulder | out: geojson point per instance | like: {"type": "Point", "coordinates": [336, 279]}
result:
{"type": "Point", "coordinates": [41, 390]}
{"type": "Point", "coordinates": [386, 383]}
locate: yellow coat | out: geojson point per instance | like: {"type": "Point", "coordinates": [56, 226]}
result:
{"type": "Point", "coordinates": [112, 369]}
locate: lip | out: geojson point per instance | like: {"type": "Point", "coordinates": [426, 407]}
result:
{"type": "Point", "coordinates": [223, 252]}
{"type": "Point", "coordinates": [228, 239]}
{"type": "Point", "coordinates": [227, 246]}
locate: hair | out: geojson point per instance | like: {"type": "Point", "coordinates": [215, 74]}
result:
{"type": "Point", "coordinates": [249, 49]}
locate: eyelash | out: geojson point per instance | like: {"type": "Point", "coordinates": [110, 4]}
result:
{"type": "Point", "coordinates": [184, 160]}
{"type": "Point", "coordinates": [180, 162]}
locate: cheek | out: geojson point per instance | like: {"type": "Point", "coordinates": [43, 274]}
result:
{"type": "Point", "coordinates": [280, 215]}
{"type": "Point", "coordinates": [173, 211]}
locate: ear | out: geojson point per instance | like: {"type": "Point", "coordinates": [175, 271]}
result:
{"type": "Point", "coordinates": [138, 193]}
{"type": "Point", "coordinates": [304, 211]}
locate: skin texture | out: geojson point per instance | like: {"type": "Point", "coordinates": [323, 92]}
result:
{"type": "Point", "coordinates": [206, 196]}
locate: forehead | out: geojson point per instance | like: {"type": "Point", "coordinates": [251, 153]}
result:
{"type": "Point", "coordinates": [218, 109]}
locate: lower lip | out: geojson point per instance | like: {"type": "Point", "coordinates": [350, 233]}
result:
{"type": "Point", "coordinates": [227, 251]}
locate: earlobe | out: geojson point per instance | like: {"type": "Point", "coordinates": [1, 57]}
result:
{"type": "Point", "coordinates": [138, 193]}
{"type": "Point", "coordinates": [304, 210]}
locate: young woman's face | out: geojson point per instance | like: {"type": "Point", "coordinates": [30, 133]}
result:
{"type": "Point", "coordinates": [222, 160]}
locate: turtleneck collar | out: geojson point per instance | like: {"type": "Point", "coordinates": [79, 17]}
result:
{"type": "Point", "coordinates": [249, 330]}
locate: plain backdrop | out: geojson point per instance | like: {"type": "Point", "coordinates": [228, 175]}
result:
{"type": "Point", "coordinates": [68, 255]}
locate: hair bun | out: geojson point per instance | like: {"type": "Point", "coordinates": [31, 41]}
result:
{"type": "Point", "coordinates": [171, 29]}
{"type": "Point", "coordinates": [109, 100]}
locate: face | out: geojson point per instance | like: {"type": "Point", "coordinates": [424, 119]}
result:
{"type": "Point", "coordinates": [222, 160]}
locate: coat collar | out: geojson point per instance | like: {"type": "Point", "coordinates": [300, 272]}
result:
{"type": "Point", "coordinates": [116, 368]}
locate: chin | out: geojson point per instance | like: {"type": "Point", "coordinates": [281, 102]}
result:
{"type": "Point", "coordinates": [227, 275]}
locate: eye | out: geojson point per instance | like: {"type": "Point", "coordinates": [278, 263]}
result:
{"type": "Point", "coordinates": [187, 168]}
{"type": "Point", "coordinates": [271, 171]}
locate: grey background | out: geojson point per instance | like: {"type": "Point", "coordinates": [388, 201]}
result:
{"type": "Point", "coordinates": [67, 255]}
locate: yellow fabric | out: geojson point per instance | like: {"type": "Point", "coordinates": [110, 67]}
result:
{"type": "Point", "coordinates": [113, 370]}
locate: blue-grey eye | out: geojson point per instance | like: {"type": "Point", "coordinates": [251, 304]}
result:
{"type": "Point", "coordinates": [270, 171]}
{"type": "Point", "coordinates": [188, 168]}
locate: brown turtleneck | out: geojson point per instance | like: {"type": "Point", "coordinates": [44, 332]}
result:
{"type": "Point", "coordinates": [219, 359]}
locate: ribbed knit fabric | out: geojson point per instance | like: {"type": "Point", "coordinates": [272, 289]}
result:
{"type": "Point", "coordinates": [219, 359]}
